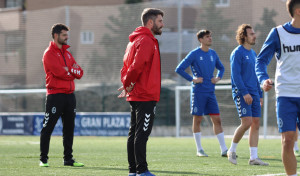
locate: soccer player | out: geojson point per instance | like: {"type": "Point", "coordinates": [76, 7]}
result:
{"type": "Point", "coordinates": [61, 69]}
{"type": "Point", "coordinates": [246, 93]}
{"type": "Point", "coordinates": [284, 42]}
{"type": "Point", "coordinates": [141, 79]}
{"type": "Point", "coordinates": [203, 62]}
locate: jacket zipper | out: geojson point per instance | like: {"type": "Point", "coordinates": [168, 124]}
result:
{"type": "Point", "coordinates": [62, 53]}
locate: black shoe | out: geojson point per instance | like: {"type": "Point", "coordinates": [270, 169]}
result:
{"type": "Point", "coordinates": [72, 162]}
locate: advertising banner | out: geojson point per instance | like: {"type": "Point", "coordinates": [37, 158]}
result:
{"type": "Point", "coordinates": [86, 124]}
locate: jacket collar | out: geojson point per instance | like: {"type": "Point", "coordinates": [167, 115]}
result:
{"type": "Point", "coordinates": [54, 46]}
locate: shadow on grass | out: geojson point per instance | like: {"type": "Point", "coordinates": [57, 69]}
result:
{"type": "Point", "coordinates": [126, 170]}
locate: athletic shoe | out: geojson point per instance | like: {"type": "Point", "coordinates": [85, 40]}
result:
{"type": "Point", "coordinates": [231, 157]}
{"type": "Point", "coordinates": [132, 174]}
{"type": "Point", "coordinates": [44, 164]}
{"type": "Point", "coordinates": [72, 162]}
{"type": "Point", "coordinates": [148, 173]}
{"type": "Point", "coordinates": [257, 161]}
{"type": "Point", "coordinates": [297, 153]}
{"type": "Point", "coordinates": [224, 154]}
{"type": "Point", "coordinates": [201, 153]}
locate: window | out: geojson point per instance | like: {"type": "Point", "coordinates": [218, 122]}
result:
{"type": "Point", "coordinates": [87, 37]}
{"type": "Point", "coordinates": [14, 3]}
{"type": "Point", "coordinates": [222, 3]}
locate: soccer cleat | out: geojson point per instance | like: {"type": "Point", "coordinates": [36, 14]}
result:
{"type": "Point", "coordinates": [257, 161]}
{"type": "Point", "coordinates": [224, 154]}
{"type": "Point", "coordinates": [297, 153]}
{"type": "Point", "coordinates": [72, 162]}
{"type": "Point", "coordinates": [44, 164]}
{"type": "Point", "coordinates": [201, 153]}
{"type": "Point", "coordinates": [231, 157]}
{"type": "Point", "coordinates": [132, 174]}
{"type": "Point", "coordinates": [148, 173]}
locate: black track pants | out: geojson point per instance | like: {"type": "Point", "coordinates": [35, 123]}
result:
{"type": "Point", "coordinates": [142, 117]}
{"type": "Point", "coordinates": [64, 106]}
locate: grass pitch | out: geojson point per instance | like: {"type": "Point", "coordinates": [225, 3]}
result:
{"type": "Point", "coordinates": [106, 156]}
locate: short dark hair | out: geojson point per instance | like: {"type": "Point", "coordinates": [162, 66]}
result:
{"type": "Point", "coordinates": [150, 13]}
{"type": "Point", "coordinates": [241, 33]}
{"type": "Point", "coordinates": [57, 28]}
{"type": "Point", "coordinates": [202, 33]}
{"type": "Point", "coordinates": [290, 5]}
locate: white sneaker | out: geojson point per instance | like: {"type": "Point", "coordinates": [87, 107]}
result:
{"type": "Point", "coordinates": [231, 157]}
{"type": "Point", "coordinates": [201, 153]}
{"type": "Point", "coordinates": [257, 161]}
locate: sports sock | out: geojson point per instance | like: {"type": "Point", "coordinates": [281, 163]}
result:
{"type": "Point", "coordinates": [253, 153]}
{"type": "Point", "coordinates": [197, 137]}
{"type": "Point", "coordinates": [296, 146]}
{"type": "Point", "coordinates": [221, 139]}
{"type": "Point", "coordinates": [233, 147]}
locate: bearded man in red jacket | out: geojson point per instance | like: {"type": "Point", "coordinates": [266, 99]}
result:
{"type": "Point", "coordinates": [61, 69]}
{"type": "Point", "coordinates": [141, 78]}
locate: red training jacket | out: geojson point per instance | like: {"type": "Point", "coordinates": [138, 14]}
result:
{"type": "Point", "coordinates": [142, 66]}
{"type": "Point", "coordinates": [58, 80]}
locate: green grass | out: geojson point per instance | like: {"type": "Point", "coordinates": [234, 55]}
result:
{"type": "Point", "coordinates": [106, 156]}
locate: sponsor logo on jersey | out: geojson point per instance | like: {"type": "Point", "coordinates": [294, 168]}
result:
{"type": "Point", "coordinates": [291, 49]}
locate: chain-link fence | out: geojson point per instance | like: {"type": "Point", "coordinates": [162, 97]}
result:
{"type": "Point", "coordinates": [98, 38]}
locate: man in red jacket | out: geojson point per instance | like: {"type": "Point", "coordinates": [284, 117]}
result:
{"type": "Point", "coordinates": [61, 69]}
{"type": "Point", "coordinates": [141, 78]}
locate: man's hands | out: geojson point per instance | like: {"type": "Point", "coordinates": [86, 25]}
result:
{"type": "Point", "coordinates": [214, 80]}
{"type": "Point", "coordinates": [268, 84]}
{"type": "Point", "coordinates": [248, 99]}
{"type": "Point", "coordinates": [125, 91]}
{"type": "Point", "coordinates": [197, 80]}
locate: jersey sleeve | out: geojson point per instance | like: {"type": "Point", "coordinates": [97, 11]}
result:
{"type": "Point", "coordinates": [236, 72]}
{"type": "Point", "coordinates": [184, 64]}
{"type": "Point", "coordinates": [269, 48]}
{"type": "Point", "coordinates": [220, 67]}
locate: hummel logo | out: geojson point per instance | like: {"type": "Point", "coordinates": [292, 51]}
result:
{"type": "Point", "coordinates": [146, 123]}
{"type": "Point", "coordinates": [247, 57]}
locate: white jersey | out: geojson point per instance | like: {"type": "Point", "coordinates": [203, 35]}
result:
{"type": "Point", "coordinates": [287, 77]}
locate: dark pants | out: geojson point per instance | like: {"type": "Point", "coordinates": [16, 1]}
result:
{"type": "Point", "coordinates": [142, 117]}
{"type": "Point", "coordinates": [64, 106]}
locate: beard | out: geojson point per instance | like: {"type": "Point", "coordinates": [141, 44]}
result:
{"type": "Point", "coordinates": [61, 41]}
{"type": "Point", "coordinates": [156, 30]}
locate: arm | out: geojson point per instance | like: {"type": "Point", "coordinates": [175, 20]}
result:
{"type": "Point", "coordinates": [236, 72]}
{"type": "Point", "coordinates": [76, 70]}
{"type": "Point", "coordinates": [271, 45]}
{"type": "Point", "coordinates": [51, 63]}
{"type": "Point", "coordinates": [143, 54]}
{"type": "Point", "coordinates": [221, 70]}
{"type": "Point", "coordinates": [184, 64]}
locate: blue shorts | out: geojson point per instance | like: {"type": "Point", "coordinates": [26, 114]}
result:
{"type": "Point", "coordinates": [287, 109]}
{"type": "Point", "coordinates": [203, 103]}
{"type": "Point", "coordinates": [245, 110]}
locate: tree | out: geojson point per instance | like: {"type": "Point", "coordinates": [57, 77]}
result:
{"type": "Point", "coordinates": [212, 19]}
{"type": "Point", "coordinates": [115, 42]}
{"type": "Point", "coordinates": [267, 24]}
